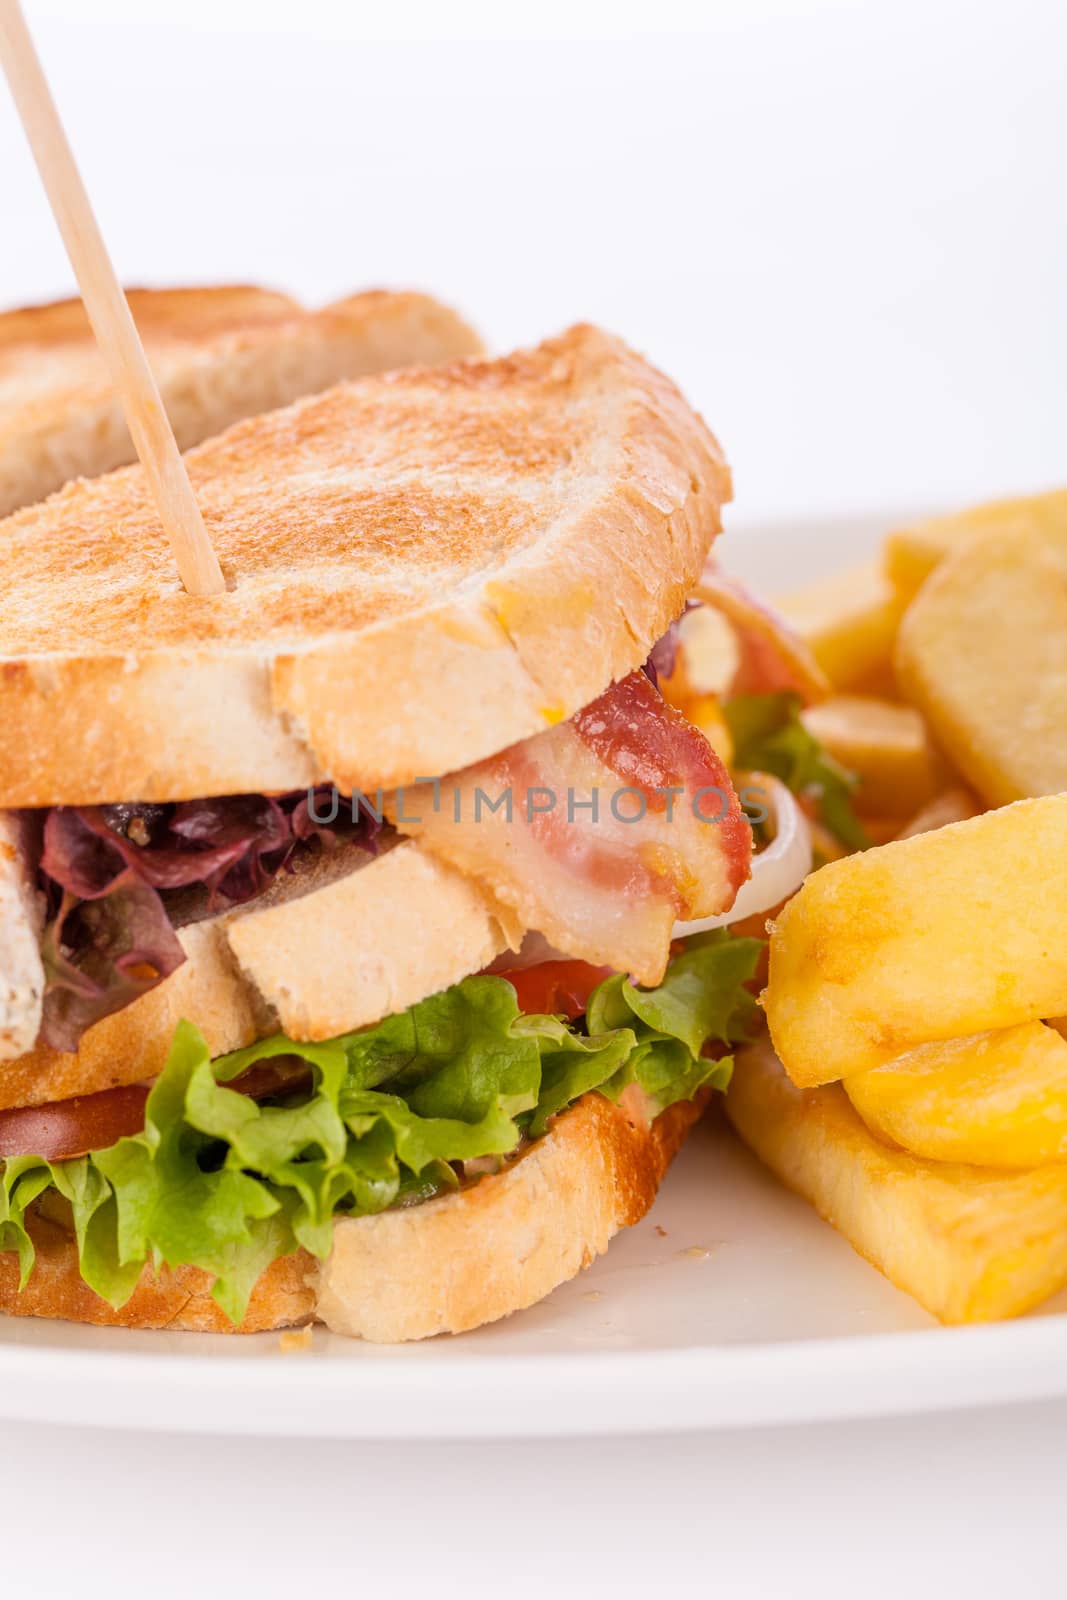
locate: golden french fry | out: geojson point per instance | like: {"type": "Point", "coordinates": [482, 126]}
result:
{"type": "Point", "coordinates": [886, 746]}
{"type": "Point", "coordinates": [983, 653]}
{"type": "Point", "coordinates": [970, 1245]}
{"type": "Point", "coordinates": [826, 846]}
{"type": "Point", "coordinates": [881, 684]}
{"type": "Point", "coordinates": [949, 933]}
{"type": "Point", "coordinates": [911, 554]}
{"type": "Point", "coordinates": [994, 1099]}
{"type": "Point", "coordinates": [954, 805]}
{"type": "Point", "coordinates": [849, 620]}
{"type": "Point", "coordinates": [709, 653]}
{"type": "Point", "coordinates": [705, 712]}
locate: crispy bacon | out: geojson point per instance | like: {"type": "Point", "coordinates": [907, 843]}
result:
{"type": "Point", "coordinates": [772, 657]}
{"type": "Point", "coordinates": [600, 833]}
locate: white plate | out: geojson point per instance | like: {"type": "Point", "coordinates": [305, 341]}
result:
{"type": "Point", "coordinates": [730, 1304]}
{"type": "Point", "coordinates": [743, 1309]}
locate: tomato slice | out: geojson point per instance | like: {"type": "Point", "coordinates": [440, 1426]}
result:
{"type": "Point", "coordinates": [561, 988]}
{"type": "Point", "coordinates": [73, 1127]}
{"type": "Point", "coordinates": [69, 1128]}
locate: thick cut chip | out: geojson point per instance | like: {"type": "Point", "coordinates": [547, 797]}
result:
{"type": "Point", "coordinates": [705, 712]}
{"type": "Point", "coordinates": [994, 1099]}
{"type": "Point", "coordinates": [849, 621]}
{"type": "Point", "coordinates": [948, 933]}
{"type": "Point", "coordinates": [970, 1245]}
{"type": "Point", "coordinates": [953, 805]}
{"type": "Point", "coordinates": [983, 653]}
{"type": "Point", "coordinates": [912, 553]}
{"type": "Point", "coordinates": [886, 746]}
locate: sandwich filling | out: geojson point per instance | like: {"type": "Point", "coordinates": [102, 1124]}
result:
{"type": "Point", "coordinates": [229, 1164]}
{"type": "Point", "coordinates": [606, 836]}
{"type": "Point", "coordinates": [600, 833]}
{"type": "Point", "coordinates": [111, 877]}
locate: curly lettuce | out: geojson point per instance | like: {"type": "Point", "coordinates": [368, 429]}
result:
{"type": "Point", "coordinates": [222, 1182]}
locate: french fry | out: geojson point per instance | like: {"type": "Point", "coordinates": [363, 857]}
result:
{"type": "Point", "coordinates": [911, 554]}
{"type": "Point", "coordinates": [849, 620]}
{"type": "Point", "coordinates": [949, 933]}
{"type": "Point", "coordinates": [993, 1099]}
{"type": "Point", "coordinates": [886, 746]}
{"type": "Point", "coordinates": [881, 684]}
{"type": "Point", "coordinates": [969, 1245]}
{"type": "Point", "coordinates": [709, 654]}
{"type": "Point", "coordinates": [953, 805]}
{"type": "Point", "coordinates": [705, 712]}
{"type": "Point", "coordinates": [983, 653]}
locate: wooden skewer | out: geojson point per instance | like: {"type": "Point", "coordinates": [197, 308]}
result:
{"type": "Point", "coordinates": [108, 311]}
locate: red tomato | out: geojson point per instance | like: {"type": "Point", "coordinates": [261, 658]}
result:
{"type": "Point", "coordinates": [69, 1128]}
{"type": "Point", "coordinates": [73, 1127]}
{"type": "Point", "coordinates": [559, 988]}
{"type": "Point", "coordinates": [275, 1075]}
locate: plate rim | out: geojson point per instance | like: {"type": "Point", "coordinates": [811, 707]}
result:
{"type": "Point", "coordinates": [419, 1394]}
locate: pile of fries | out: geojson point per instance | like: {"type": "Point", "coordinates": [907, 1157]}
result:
{"type": "Point", "coordinates": [913, 1086]}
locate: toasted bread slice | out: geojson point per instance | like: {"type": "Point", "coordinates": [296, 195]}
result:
{"type": "Point", "coordinates": [422, 568]}
{"type": "Point", "coordinates": [341, 943]}
{"type": "Point", "coordinates": [442, 1267]}
{"type": "Point", "coordinates": [219, 354]}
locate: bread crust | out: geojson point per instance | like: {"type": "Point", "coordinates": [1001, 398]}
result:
{"type": "Point", "coordinates": [219, 354]}
{"type": "Point", "coordinates": [422, 569]}
{"type": "Point", "coordinates": [506, 1242]}
{"type": "Point", "coordinates": [449, 1265]}
{"type": "Point", "coordinates": [178, 1297]}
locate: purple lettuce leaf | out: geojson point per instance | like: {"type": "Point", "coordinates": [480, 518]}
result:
{"type": "Point", "coordinates": [101, 954]}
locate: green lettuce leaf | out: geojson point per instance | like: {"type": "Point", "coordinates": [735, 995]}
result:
{"type": "Point", "coordinates": [222, 1182]}
{"type": "Point", "coordinates": [769, 736]}
{"type": "Point", "coordinates": [700, 1001]}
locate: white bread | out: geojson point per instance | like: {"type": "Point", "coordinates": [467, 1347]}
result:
{"type": "Point", "coordinates": [342, 943]}
{"type": "Point", "coordinates": [503, 1243]}
{"type": "Point", "coordinates": [369, 944]}
{"type": "Point", "coordinates": [219, 354]}
{"type": "Point", "coordinates": [422, 568]}
{"type": "Point", "coordinates": [442, 1267]}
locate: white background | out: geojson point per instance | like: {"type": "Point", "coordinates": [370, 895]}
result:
{"type": "Point", "coordinates": [842, 228]}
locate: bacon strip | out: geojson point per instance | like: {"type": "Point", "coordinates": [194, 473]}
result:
{"type": "Point", "coordinates": [667, 840]}
{"type": "Point", "coordinates": [772, 658]}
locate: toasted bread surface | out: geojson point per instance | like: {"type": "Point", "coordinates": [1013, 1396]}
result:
{"type": "Point", "coordinates": [422, 568]}
{"type": "Point", "coordinates": [337, 946]}
{"type": "Point", "coordinates": [176, 1297]}
{"type": "Point", "coordinates": [443, 1267]}
{"type": "Point", "coordinates": [219, 354]}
